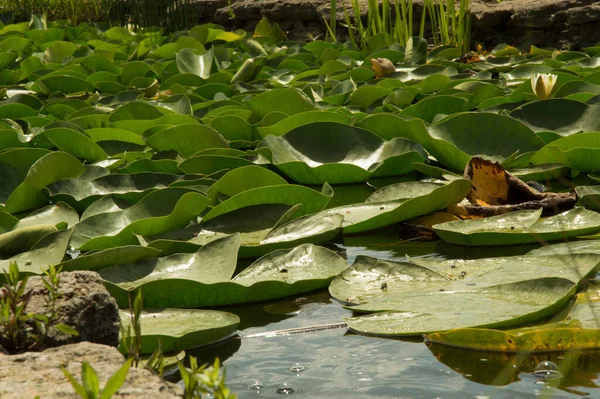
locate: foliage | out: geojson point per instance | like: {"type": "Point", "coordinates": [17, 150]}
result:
{"type": "Point", "coordinates": [75, 11]}
{"type": "Point", "coordinates": [200, 380]}
{"type": "Point", "coordinates": [166, 158]}
{"type": "Point", "coordinates": [450, 26]}
{"type": "Point", "coordinates": [392, 22]}
{"type": "Point", "coordinates": [20, 330]}
{"type": "Point", "coordinates": [131, 336]}
{"type": "Point", "coordinates": [89, 388]}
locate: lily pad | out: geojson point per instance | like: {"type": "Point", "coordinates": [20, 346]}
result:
{"type": "Point", "coordinates": [204, 278]}
{"type": "Point", "coordinates": [262, 229]}
{"type": "Point", "coordinates": [180, 329]}
{"type": "Point", "coordinates": [496, 137]}
{"type": "Point", "coordinates": [399, 202]}
{"type": "Point", "coordinates": [500, 306]}
{"type": "Point", "coordinates": [336, 153]}
{"type": "Point", "coordinates": [577, 151]}
{"type": "Point", "coordinates": [49, 250]}
{"type": "Point", "coordinates": [159, 211]}
{"type": "Point", "coordinates": [520, 227]}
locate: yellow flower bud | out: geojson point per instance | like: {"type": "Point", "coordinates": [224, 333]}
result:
{"type": "Point", "coordinates": [382, 66]}
{"type": "Point", "coordinates": [542, 84]}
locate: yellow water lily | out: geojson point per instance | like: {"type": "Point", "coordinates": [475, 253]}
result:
{"type": "Point", "coordinates": [542, 84]}
{"type": "Point", "coordinates": [382, 66]}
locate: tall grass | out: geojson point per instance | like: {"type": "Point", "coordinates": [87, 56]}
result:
{"type": "Point", "coordinates": [448, 25]}
{"type": "Point", "coordinates": [75, 11]}
{"type": "Point", "coordinates": [170, 15]}
{"type": "Point", "coordinates": [394, 19]}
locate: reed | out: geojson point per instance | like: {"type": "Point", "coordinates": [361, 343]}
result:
{"type": "Point", "coordinates": [394, 19]}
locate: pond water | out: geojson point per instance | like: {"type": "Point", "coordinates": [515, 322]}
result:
{"type": "Point", "coordinates": [335, 363]}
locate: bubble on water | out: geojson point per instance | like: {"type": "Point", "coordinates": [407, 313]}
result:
{"type": "Point", "coordinates": [285, 389]}
{"type": "Point", "coordinates": [297, 368]}
{"type": "Point", "coordinates": [547, 370]}
{"type": "Point", "coordinates": [256, 386]}
{"type": "Point", "coordinates": [408, 359]}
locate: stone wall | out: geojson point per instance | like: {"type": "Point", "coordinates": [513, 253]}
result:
{"type": "Point", "coordinates": [564, 24]}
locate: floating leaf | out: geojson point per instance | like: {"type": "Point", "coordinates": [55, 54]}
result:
{"type": "Point", "coordinates": [179, 329]}
{"type": "Point", "coordinates": [520, 227]}
{"type": "Point", "coordinates": [335, 153]}
{"type": "Point", "coordinates": [203, 278]}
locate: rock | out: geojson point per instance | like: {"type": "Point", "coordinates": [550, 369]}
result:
{"type": "Point", "coordinates": [571, 24]}
{"type": "Point", "coordinates": [84, 304]}
{"type": "Point", "coordinates": [30, 374]}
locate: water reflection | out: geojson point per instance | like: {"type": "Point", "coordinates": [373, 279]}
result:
{"type": "Point", "coordinates": [338, 363]}
{"type": "Point", "coordinates": [573, 370]}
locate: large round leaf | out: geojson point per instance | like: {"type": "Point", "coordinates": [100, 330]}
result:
{"type": "Point", "coordinates": [398, 202]}
{"type": "Point", "coordinates": [80, 192]}
{"type": "Point", "coordinates": [336, 153]}
{"type": "Point", "coordinates": [187, 139]}
{"type": "Point", "coordinates": [49, 250]}
{"type": "Point", "coordinates": [159, 211]}
{"type": "Point", "coordinates": [179, 329]}
{"type": "Point", "coordinates": [203, 278]}
{"type": "Point", "coordinates": [561, 116]}
{"type": "Point", "coordinates": [519, 227]}
{"type": "Point", "coordinates": [48, 169]}
{"type": "Point", "coordinates": [500, 306]}
{"type": "Point", "coordinates": [578, 151]}
{"type": "Point", "coordinates": [497, 137]}
{"type": "Point", "coordinates": [289, 194]}
{"type": "Point", "coordinates": [372, 279]}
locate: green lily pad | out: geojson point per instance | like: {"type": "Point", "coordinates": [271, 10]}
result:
{"type": "Point", "coordinates": [291, 122]}
{"type": "Point", "coordinates": [46, 170]}
{"type": "Point", "coordinates": [187, 139]}
{"type": "Point", "coordinates": [455, 139]}
{"type": "Point", "coordinates": [520, 227]}
{"type": "Point", "coordinates": [80, 192]}
{"type": "Point", "coordinates": [110, 257]}
{"type": "Point", "coordinates": [560, 116]}
{"type": "Point", "coordinates": [288, 101]}
{"type": "Point", "coordinates": [159, 211]}
{"type": "Point", "coordinates": [399, 202]}
{"type": "Point", "coordinates": [336, 153]}
{"type": "Point", "coordinates": [204, 278]}
{"type": "Point", "coordinates": [289, 194]}
{"type": "Point", "coordinates": [578, 151]}
{"type": "Point", "coordinates": [49, 250]}
{"type": "Point", "coordinates": [262, 229]}
{"type": "Point", "coordinates": [179, 329]}
{"type": "Point", "coordinates": [372, 279]}
{"type": "Point", "coordinates": [589, 197]}
{"type": "Point", "coordinates": [500, 306]}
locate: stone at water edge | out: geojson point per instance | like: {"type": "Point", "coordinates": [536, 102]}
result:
{"type": "Point", "coordinates": [30, 374]}
{"type": "Point", "coordinates": [84, 305]}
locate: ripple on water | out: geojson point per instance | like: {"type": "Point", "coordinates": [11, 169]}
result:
{"type": "Point", "coordinates": [285, 389]}
{"type": "Point", "coordinates": [297, 368]}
